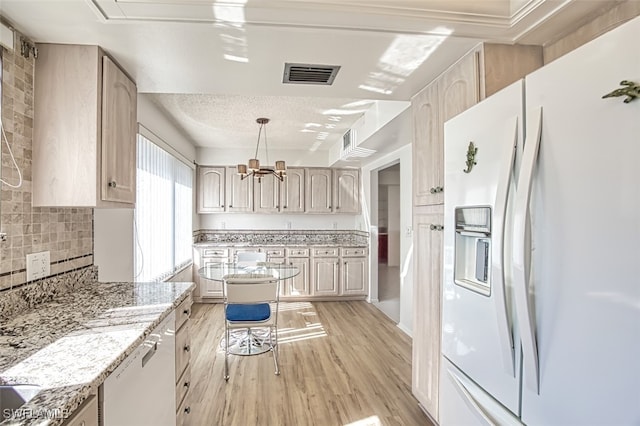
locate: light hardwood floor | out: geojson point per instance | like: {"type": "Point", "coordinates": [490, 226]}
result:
{"type": "Point", "coordinates": [340, 363]}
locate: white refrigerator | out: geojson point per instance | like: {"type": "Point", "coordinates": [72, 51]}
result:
{"type": "Point", "coordinates": [541, 278]}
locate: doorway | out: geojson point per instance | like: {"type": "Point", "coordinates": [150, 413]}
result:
{"type": "Point", "coordinates": [389, 241]}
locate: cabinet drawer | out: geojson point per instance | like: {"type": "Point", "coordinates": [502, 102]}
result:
{"type": "Point", "coordinates": [183, 385]}
{"type": "Point", "coordinates": [298, 252]}
{"type": "Point", "coordinates": [183, 414]}
{"type": "Point", "coordinates": [183, 311]}
{"type": "Point", "coordinates": [325, 251]}
{"type": "Point", "coordinates": [353, 251]}
{"type": "Point", "coordinates": [183, 348]}
{"type": "Point", "coordinates": [86, 415]}
{"type": "Point", "coordinates": [215, 252]}
{"type": "Point", "coordinates": [274, 252]}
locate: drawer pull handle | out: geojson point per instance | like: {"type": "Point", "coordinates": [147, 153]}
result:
{"type": "Point", "coordinates": [187, 348]}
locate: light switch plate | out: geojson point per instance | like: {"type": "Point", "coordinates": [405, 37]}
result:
{"type": "Point", "coordinates": [38, 265]}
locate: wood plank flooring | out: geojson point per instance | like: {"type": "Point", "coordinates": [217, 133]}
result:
{"type": "Point", "coordinates": [341, 363]}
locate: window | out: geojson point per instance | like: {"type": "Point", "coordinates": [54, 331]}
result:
{"type": "Point", "coordinates": [163, 215]}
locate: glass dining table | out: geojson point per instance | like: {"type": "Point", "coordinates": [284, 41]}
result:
{"type": "Point", "coordinates": [242, 342]}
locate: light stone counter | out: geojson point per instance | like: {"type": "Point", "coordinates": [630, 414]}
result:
{"type": "Point", "coordinates": [68, 346]}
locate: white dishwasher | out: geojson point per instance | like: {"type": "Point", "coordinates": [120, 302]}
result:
{"type": "Point", "coordinates": [141, 390]}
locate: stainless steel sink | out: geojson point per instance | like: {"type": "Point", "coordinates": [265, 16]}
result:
{"type": "Point", "coordinates": [12, 397]}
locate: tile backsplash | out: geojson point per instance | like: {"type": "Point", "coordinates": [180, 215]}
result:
{"type": "Point", "coordinates": [67, 233]}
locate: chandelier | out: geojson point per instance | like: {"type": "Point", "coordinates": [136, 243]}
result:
{"type": "Point", "coordinates": [255, 169]}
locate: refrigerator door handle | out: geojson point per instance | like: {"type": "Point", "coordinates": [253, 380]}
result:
{"type": "Point", "coordinates": [522, 250]}
{"type": "Point", "coordinates": [470, 400]}
{"type": "Point", "coordinates": [498, 251]}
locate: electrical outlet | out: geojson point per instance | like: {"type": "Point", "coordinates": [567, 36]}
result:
{"type": "Point", "coordinates": [38, 265]}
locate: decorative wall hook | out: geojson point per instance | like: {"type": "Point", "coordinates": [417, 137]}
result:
{"type": "Point", "coordinates": [471, 157]}
{"type": "Point", "coordinates": [631, 91]}
{"type": "Point", "coordinates": [27, 49]}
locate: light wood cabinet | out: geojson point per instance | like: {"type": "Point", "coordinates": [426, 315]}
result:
{"type": "Point", "coordinates": [427, 284]}
{"type": "Point", "coordinates": [318, 191]}
{"type": "Point", "coordinates": [304, 190]}
{"type": "Point", "coordinates": [325, 276]}
{"type": "Point", "coordinates": [86, 414]}
{"type": "Point", "coordinates": [203, 256]}
{"type": "Point", "coordinates": [298, 286]}
{"type": "Point", "coordinates": [354, 276]}
{"type": "Point", "coordinates": [483, 71]}
{"type": "Point", "coordinates": [211, 189]}
{"type": "Point", "coordinates": [238, 192]}
{"type": "Point", "coordinates": [346, 190]}
{"type": "Point", "coordinates": [274, 196]}
{"type": "Point", "coordinates": [183, 361]}
{"type": "Point", "coordinates": [292, 191]}
{"type": "Point", "coordinates": [84, 141]}
{"type": "Point", "coordinates": [333, 191]}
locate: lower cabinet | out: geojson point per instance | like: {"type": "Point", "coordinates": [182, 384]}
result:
{"type": "Point", "coordinates": [86, 414]}
{"type": "Point", "coordinates": [325, 276]}
{"type": "Point", "coordinates": [183, 359]}
{"type": "Point", "coordinates": [427, 225]}
{"type": "Point", "coordinates": [324, 271]}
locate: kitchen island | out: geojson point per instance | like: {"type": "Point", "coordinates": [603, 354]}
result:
{"type": "Point", "coordinates": [69, 345]}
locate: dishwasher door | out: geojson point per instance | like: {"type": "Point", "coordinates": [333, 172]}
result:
{"type": "Point", "coordinates": [141, 391]}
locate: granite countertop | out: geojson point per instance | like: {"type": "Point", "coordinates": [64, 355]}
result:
{"type": "Point", "coordinates": [296, 245]}
{"type": "Point", "coordinates": [69, 345]}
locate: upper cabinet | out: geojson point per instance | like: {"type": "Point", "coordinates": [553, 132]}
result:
{"type": "Point", "coordinates": [346, 193]}
{"type": "Point", "coordinates": [211, 189]}
{"type": "Point", "coordinates": [220, 189]}
{"type": "Point", "coordinates": [319, 191]}
{"type": "Point", "coordinates": [480, 73]}
{"type": "Point", "coordinates": [84, 142]}
{"type": "Point", "coordinates": [303, 190]}
{"type": "Point", "coordinates": [271, 195]}
{"type": "Point", "coordinates": [333, 190]}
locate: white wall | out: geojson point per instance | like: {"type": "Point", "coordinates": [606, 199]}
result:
{"type": "Point", "coordinates": [232, 156]}
{"type": "Point", "coordinates": [370, 184]}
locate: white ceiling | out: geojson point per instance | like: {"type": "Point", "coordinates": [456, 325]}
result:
{"type": "Point", "coordinates": [215, 66]}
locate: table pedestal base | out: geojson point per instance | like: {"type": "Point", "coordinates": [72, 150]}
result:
{"type": "Point", "coordinates": [248, 342]}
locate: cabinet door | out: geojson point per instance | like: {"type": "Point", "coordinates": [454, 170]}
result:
{"type": "Point", "coordinates": [354, 276]}
{"type": "Point", "coordinates": [298, 286]}
{"type": "Point", "coordinates": [428, 153]}
{"type": "Point", "coordinates": [318, 191]}
{"type": "Point", "coordinates": [325, 277]}
{"type": "Point", "coordinates": [266, 194]}
{"type": "Point", "coordinates": [292, 191]}
{"type": "Point", "coordinates": [239, 192]}
{"type": "Point", "coordinates": [211, 288]}
{"type": "Point", "coordinates": [346, 191]}
{"type": "Point", "coordinates": [119, 128]}
{"type": "Point", "coordinates": [211, 189]}
{"type": "Point", "coordinates": [459, 87]}
{"type": "Point", "coordinates": [426, 309]}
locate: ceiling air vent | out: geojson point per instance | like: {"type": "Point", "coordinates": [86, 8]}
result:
{"type": "Point", "coordinates": [310, 74]}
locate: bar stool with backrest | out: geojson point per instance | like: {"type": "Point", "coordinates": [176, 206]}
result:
{"type": "Point", "coordinates": [251, 300]}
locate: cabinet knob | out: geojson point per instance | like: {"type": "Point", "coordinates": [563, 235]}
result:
{"type": "Point", "coordinates": [432, 190]}
{"type": "Point", "coordinates": [187, 410]}
{"type": "Point", "coordinates": [337, 208]}
{"type": "Point", "coordinates": [230, 206]}
{"type": "Point", "coordinates": [284, 207]}
{"type": "Point", "coordinates": [186, 312]}
{"type": "Point", "coordinates": [436, 227]}
{"type": "Point", "coordinates": [187, 384]}
{"type": "Point", "coordinates": [187, 348]}
{"type": "Point", "coordinates": [112, 184]}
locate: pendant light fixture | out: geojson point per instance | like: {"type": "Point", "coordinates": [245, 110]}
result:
{"type": "Point", "coordinates": [254, 168]}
